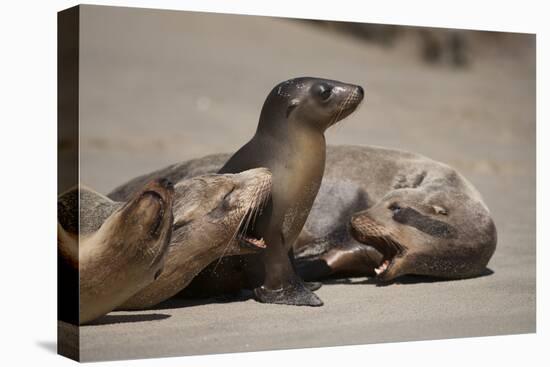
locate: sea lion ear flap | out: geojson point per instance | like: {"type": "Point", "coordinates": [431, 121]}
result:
{"type": "Point", "coordinates": [439, 210]}
{"type": "Point", "coordinates": [291, 106]}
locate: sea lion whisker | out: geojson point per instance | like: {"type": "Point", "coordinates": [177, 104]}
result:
{"type": "Point", "coordinates": [233, 238]}
{"type": "Point", "coordinates": [343, 106]}
{"type": "Point", "coordinates": [250, 211]}
{"type": "Point", "coordinates": [260, 199]}
{"type": "Point", "coordinates": [336, 114]}
{"type": "Point", "coordinates": [243, 226]}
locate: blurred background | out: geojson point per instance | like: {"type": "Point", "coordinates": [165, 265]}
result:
{"type": "Point", "coordinates": [159, 87]}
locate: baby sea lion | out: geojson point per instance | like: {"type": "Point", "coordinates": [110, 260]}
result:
{"type": "Point", "coordinates": [387, 213]}
{"type": "Point", "coordinates": [211, 216]}
{"type": "Point", "coordinates": [290, 142]}
{"type": "Point", "coordinates": [114, 249]}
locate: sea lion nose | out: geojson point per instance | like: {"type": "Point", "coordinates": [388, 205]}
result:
{"type": "Point", "coordinates": [360, 91]}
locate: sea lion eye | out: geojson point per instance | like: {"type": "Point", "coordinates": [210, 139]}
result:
{"type": "Point", "coordinates": [394, 207]}
{"type": "Point", "coordinates": [439, 210]}
{"type": "Point", "coordinates": [323, 91]}
{"type": "Point", "coordinates": [227, 196]}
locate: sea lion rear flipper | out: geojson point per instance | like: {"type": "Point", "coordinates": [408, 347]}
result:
{"type": "Point", "coordinates": [296, 293]}
{"type": "Point", "coordinates": [286, 287]}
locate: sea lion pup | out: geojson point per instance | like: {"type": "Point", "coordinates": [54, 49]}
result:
{"type": "Point", "coordinates": [389, 213]}
{"type": "Point", "coordinates": [121, 249]}
{"type": "Point", "coordinates": [290, 142]}
{"type": "Point", "coordinates": [211, 216]}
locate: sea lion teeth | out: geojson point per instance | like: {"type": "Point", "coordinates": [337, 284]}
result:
{"type": "Point", "coordinates": [254, 241]}
{"type": "Point", "coordinates": [382, 268]}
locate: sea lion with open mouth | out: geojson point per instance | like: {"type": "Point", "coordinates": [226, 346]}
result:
{"type": "Point", "coordinates": [212, 217]}
{"type": "Point", "coordinates": [387, 213]}
{"type": "Point", "coordinates": [114, 249]}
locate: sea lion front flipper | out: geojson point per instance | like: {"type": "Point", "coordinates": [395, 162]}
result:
{"type": "Point", "coordinates": [296, 293]}
{"type": "Point", "coordinates": [351, 259]}
{"type": "Point", "coordinates": [280, 283]}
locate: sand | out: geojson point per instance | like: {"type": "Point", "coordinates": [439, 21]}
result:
{"type": "Point", "coordinates": [161, 87]}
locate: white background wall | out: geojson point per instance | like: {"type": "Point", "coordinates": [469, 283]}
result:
{"type": "Point", "coordinates": [28, 185]}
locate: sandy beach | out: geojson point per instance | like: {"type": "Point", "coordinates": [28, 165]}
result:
{"type": "Point", "coordinates": [162, 87]}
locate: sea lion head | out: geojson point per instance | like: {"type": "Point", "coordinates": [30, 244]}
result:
{"type": "Point", "coordinates": [314, 102]}
{"type": "Point", "coordinates": [113, 249]}
{"type": "Point", "coordinates": [441, 234]}
{"type": "Point", "coordinates": [218, 210]}
{"type": "Point", "coordinates": [143, 227]}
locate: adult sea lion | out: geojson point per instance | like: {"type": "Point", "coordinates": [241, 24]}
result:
{"type": "Point", "coordinates": [212, 214]}
{"type": "Point", "coordinates": [114, 249]}
{"type": "Point", "coordinates": [389, 213]}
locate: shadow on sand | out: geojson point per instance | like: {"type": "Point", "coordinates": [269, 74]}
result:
{"type": "Point", "coordinates": [406, 279]}
{"type": "Point", "coordinates": [180, 301]}
{"type": "Point", "coordinates": [127, 318]}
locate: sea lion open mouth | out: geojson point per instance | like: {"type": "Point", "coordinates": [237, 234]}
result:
{"type": "Point", "coordinates": [247, 239]}
{"type": "Point", "coordinates": [371, 233]}
{"type": "Point", "coordinates": [252, 243]}
{"type": "Point", "coordinates": [245, 234]}
{"type": "Point", "coordinates": [390, 250]}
